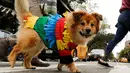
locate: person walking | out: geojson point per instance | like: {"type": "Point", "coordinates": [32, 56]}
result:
{"type": "Point", "coordinates": [123, 26]}
{"type": "Point", "coordinates": [34, 7]}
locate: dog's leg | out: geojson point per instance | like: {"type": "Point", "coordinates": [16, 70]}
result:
{"type": "Point", "coordinates": [24, 62]}
{"type": "Point", "coordinates": [27, 62]}
{"type": "Point", "coordinates": [59, 67]}
{"type": "Point", "coordinates": [73, 68]}
{"type": "Point", "coordinates": [12, 56]}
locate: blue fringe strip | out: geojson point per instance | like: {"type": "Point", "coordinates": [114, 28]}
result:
{"type": "Point", "coordinates": [49, 29]}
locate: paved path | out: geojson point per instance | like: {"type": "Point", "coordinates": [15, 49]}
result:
{"type": "Point", "coordinates": [85, 67]}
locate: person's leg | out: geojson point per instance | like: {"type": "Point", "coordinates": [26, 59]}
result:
{"type": "Point", "coordinates": [120, 34]}
{"type": "Point", "coordinates": [122, 30]}
{"type": "Point", "coordinates": [34, 7]}
{"type": "Point", "coordinates": [35, 10]}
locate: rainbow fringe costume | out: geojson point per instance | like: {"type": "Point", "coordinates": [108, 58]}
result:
{"type": "Point", "coordinates": [53, 32]}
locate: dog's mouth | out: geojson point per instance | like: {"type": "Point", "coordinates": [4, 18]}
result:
{"type": "Point", "coordinates": [86, 35]}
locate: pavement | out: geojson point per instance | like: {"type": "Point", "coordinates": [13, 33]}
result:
{"type": "Point", "coordinates": [85, 67]}
{"type": "Point", "coordinates": [5, 68]}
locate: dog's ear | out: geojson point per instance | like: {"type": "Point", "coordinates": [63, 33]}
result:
{"type": "Point", "coordinates": [97, 16]}
{"type": "Point", "coordinates": [77, 15]}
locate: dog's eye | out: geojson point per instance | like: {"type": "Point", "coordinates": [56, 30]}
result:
{"type": "Point", "coordinates": [82, 23]}
{"type": "Point", "coordinates": [92, 24]}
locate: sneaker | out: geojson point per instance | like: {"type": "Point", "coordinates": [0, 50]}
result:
{"type": "Point", "coordinates": [39, 63]}
{"type": "Point", "coordinates": [103, 63]}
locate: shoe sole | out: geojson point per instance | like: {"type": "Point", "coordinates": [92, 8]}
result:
{"type": "Point", "coordinates": [105, 66]}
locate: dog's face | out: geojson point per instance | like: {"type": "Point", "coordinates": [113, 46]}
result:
{"type": "Point", "coordinates": [84, 25]}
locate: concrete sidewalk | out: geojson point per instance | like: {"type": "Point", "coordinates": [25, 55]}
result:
{"type": "Point", "coordinates": [5, 68]}
{"type": "Point", "coordinates": [6, 64]}
{"type": "Point", "coordinates": [85, 67]}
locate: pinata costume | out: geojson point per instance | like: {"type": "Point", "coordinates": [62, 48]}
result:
{"type": "Point", "coordinates": [53, 31]}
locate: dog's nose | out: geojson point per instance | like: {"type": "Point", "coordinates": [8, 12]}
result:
{"type": "Point", "coordinates": [88, 31]}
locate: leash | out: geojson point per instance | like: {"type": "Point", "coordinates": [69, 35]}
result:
{"type": "Point", "coordinates": [41, 7]}
{"type": "Point", "coordinates": [65, 6]}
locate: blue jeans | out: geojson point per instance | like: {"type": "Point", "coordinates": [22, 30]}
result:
{"type": "Point", "coordinates": [123, 26]}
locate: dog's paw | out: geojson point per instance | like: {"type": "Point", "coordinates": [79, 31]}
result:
{"type": "Point", "coordinates": [76, 71]}
{"type": "Point", "coordinates": [11, 63]}
{"type": "Point", "coordinates": [59, 69]}
{"type": "Point", "coordinates": [32, 67]}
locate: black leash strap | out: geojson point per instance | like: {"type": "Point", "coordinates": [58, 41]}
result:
{"type": "Point", "coordinates": [42, 7]}
{"type": "Point", "coordinates": [65, 6]}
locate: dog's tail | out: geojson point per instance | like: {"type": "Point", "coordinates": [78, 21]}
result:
{"type": "Point", "coordinates": [22, 11]}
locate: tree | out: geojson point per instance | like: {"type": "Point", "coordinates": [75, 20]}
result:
{"type": "Point", "coordinates": [100, 41]}
{"type": "Point", "coordinates": [125, 53]}
{"type": "Point", "coordinates": [88, 5]}
{"type": "Point", "coordinates": [104, 26]}
{"type": "Point", "coordinates": [111, 56]}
